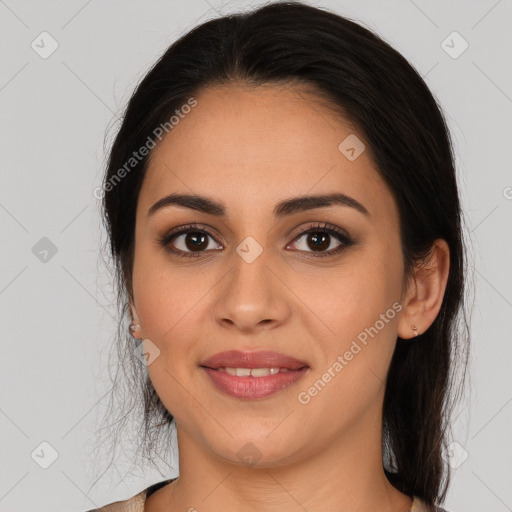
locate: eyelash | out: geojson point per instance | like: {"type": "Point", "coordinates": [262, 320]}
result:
{"type": "Point", "coordinates": [326, 228]}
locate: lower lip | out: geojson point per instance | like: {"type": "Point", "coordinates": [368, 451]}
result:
{"type": "Point", "coordinates": [253, 387]}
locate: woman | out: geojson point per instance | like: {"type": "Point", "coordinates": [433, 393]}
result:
{"type": "Point", "coordinates": [282, 209]}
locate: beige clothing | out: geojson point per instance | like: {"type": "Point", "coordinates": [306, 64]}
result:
{"type": "Point", "coordinates": [136, 504]}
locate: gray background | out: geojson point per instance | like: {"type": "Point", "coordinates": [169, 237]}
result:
{"type": "Point", "coordinates": [57, 315]}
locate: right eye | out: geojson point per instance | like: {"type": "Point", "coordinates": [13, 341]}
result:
{"type": "Point", "coordinates": [188, 241]}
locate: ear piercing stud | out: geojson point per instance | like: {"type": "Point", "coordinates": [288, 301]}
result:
{"type": "Point", "coordinates": [133, 328]}
{"type": "Point", "coordinates": [415, 330]}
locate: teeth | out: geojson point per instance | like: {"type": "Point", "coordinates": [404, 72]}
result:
{"type": "Point", "coordinates": [261, 372]}
{"type": "Point", "coordinates": [254, 372]}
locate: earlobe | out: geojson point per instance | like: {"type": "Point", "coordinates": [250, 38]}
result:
{"type": "Point", "coordinates": [135, 323]}
{"type": "Point", "coordinates": [425, 292]}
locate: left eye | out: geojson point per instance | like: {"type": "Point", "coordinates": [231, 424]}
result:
{"type": "Point", "coordinates": [318, 241]}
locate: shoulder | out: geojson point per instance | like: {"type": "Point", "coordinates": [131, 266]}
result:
{"type": "Point", "coordinates": [133, 504]}
{"type": "Point", "coordinates": [418, 505]}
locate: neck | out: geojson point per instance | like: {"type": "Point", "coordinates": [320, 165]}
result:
{"type": "Point", "coordinates": [345, 476]}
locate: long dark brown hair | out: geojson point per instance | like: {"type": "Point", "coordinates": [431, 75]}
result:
{"type": "Point", "coordinates": [363, 78]}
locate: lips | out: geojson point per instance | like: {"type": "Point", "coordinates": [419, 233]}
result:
{"type": "Point", "coordinates": [284, 371]}
{"type": "Point", "coordinates": [261, 359]}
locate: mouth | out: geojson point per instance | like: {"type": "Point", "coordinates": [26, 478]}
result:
{"type": "Point", "coordinates": [252, 375]}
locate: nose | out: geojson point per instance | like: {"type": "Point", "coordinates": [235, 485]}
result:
{"type": "Point", "coordinates": [252, 296]}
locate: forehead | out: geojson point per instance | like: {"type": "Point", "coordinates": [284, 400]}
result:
{"type": "Point", "coordinates": [249, 146]}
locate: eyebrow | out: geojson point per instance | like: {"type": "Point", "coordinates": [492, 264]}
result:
{"type": "Point", "coordinates": [282, 209]}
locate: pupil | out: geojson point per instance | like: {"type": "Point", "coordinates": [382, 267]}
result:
{"type": "Point", "coordinates": [197, 241]}
{"type": "Point", "coordinates": [320, 240]}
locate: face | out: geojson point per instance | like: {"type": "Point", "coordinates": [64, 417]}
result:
{"type": "Point", "coordinates": [321, 285]}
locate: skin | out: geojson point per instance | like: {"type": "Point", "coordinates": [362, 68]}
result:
{"type": "Point", "coordinates": [251, 148]}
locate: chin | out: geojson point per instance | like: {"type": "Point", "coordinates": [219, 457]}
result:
{"type": "Point", "coordinates": [258, 452]}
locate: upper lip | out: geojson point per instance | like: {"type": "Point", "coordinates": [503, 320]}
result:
{"type": "Point", "coordinates": [260, 359]}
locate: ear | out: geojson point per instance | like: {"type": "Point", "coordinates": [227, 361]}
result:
{"type": "Point", "coordinates": [425, 291]}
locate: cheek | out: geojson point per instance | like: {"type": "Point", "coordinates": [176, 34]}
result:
{"type": "Point", "coordinates": [165, 292]}
{"type": "Point", "coordinates": [168, 304]}
{"type": "Point", "coordinates": [351, 377]}
{"type": "Point", "coordinates": [351, 297]}
{"type": "Point", "coordinates": [359, 302]}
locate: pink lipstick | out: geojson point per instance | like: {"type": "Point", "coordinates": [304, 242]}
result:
{"type": "Point", "coordinates": [253, 375]}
